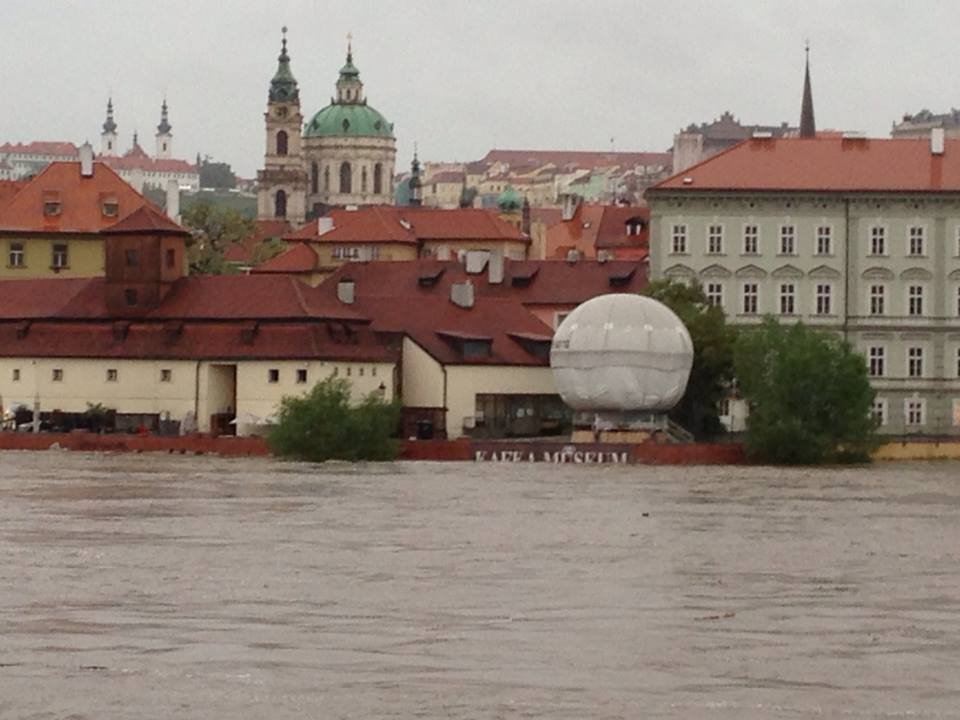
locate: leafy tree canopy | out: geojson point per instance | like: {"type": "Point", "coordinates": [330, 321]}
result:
{"type": "Point", "coordinates": [213, 229]}
{"type": "Point", "coordinates": [323, 425]}
{"type": "Point", "coordinates": [713, 343]}
{"type": "Point", "coordinates": [809, 395]}
{"type": "Point", "coordinates": [217, 175]}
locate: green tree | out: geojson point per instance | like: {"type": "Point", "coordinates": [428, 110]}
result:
{"type": "Point", "coordinates": [713, 343]}
{"type": "Point", "coordinates": [213, 230]}
{"type": "Point", "coordinates": [809, 396]}
{"type": "Point", "coordinates": [323, 425]}
{"type": "Point", "coordinates": [217, 175]}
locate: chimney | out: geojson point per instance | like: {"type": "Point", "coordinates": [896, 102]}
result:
{"type": "Point", "coordinates": [936, 141]}
{"type": "Point", "coordinates": [86, 160]}
{"type": "Point", "coordinates": [495, 267]}
{"type": "Point", "coordinates": [345, 291]}
{"type": "Point", "coordinates": [173, 200]}
{"type": "Point", "coordinates": [324, 225]}
{"type": "Point", "coordinates": [461, 294]}
{"type": "Point", "coordinates": [476, 260]}
{"type": "Point", "coordinates": [443, 252]}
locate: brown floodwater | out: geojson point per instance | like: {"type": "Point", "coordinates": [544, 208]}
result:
{"type": "Point", "coordinates": [193, 587]}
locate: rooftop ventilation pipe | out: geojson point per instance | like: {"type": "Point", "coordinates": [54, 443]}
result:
{"type": "Point", "coordinates": [461, 294]}
{"type": "Point", "coordinates": [86, 160]}
{"type": "Point", "coordinates": [936, 141]}
{"type": "Point", "coordinates": [346, 291]}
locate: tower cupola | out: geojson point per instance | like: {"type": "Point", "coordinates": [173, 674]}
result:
{"type": "Point", "coordinates": [283, 86]}
{"type": "Point", "coordinates": [108, 138]}
{"type": "Point", "coordinates": [164, 134]}
{"type": "Point", "coordinates": [349, 87]}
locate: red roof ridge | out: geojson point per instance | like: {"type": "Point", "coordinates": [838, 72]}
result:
{"type": "Point", "coordinates": [145, 219]}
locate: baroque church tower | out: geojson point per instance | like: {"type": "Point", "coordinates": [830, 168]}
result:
{"type": "Point", "coordinates": [164, 134]}
{"type": "Point", "coordinates": [282, 183]}
{"type": "Point", "coordinates": [108, 138]}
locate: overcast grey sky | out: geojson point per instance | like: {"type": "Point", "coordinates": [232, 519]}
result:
{"type": "Point", "coordinates": [460, 77]}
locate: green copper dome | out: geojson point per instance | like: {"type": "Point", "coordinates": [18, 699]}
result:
{"type": "Point", "coordinates": [509, 199]}
{"type": "Point", "coordinates": [348, 120]}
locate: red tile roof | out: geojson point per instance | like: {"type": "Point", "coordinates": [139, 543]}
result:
{"type": "Point", "coordinates": [242, 253]}
{"type": "Point", "coordinates": [825, 164]}
{"type": "Point", "coordinates": [145, 219]}
{"type": "Point", "coordinates": [600, 227]}
{"type": "Point", "coordinates": [9, 188]}
{"type": "Point", "coordinates": [447, 176]}
{"type": "Point", "coordinates": [383, 223]}
{"type": "Point", "coordinates": [577, 158]}
{"type": "Point", "coordinates": [202, 297]}
{"type": "Point", "coordinates": [194, 340]}
{"type": "Point", "coordinates": [390, 293]}
{"type": "Point", "coordinates": [136, 158]}
{"type": "Point", "coordinates": [81, 200]}
{"type": "Point", "coordinates": [299, 258]}
{"type": "Point", "coordinates": [41, 147]}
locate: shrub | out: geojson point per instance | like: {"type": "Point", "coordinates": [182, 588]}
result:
{"type": "Point", "coordinates": [323, 425]}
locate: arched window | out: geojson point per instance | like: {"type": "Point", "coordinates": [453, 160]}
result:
{"type": "Point", "coordinates": [326, 178]}
{"type": "Point", "coordinates": [280, 204]}
{"type": "Point", "coordinates": [282, 142]}
{"type": "Point", "coordinates": [378, 178]}
{"type": "Point", "coordinates": [346, 178]}
{"type": "Point", "coordinates": [314, 178]}
{"type": "Point", "coordinates": [363, 179]}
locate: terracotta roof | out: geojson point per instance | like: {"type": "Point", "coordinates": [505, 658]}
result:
{"type": "Point", "coordinates": [81, 200]}
{"type": "Point", "coordinates": [136, 158]}
{"type": "Point", "coordinates": [9, 188]}
{"type": "Point", "coordinates": [825, 163]}
{"type": "Point", "coordinates": [194, 340]}
{"type": "Point", "coordinates": [145, 219]}
{"type": "Point", "coordinates": [242, 252]}
{"type": "Point", "coordinates": [546, 215]}
{"type": "Point", "coordinates": [577, 158]}
{"type": "Point", "coordinates": [447, 176]}
{"type": "Point", "coordinates": [600, 227]}
{"type": "Point", "coordinates": [392, 296]}
{"type": "Point", "coordinates": [40, 147]}
{"type": "Point", "coordinates": [202, 297]}
{"type": "Point", "coordinates": [382, 223]}
{"type": "Point", "coordinates": [299, 258]}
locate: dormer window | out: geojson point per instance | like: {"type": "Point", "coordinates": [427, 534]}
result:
{"type": "Point", "coordinates": [51, 204]}
{"type": "Point", "coordinates": [110, 206]}
{"type": "Point", "coordinates": [634, 226]}
{"type": "Point", "coordinates": [132, 258]}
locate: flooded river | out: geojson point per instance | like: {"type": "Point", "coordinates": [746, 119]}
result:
{"type": "Point", "coordinates": [181, 587]}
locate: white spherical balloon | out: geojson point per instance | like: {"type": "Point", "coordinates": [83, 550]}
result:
{"type": "Point", "coordinates": [621, 352]}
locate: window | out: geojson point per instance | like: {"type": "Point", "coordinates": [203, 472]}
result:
{"type": "Point", "coordinates": [16, 375]}
{"type": "Point", "coordinates": [326, 178]}
{"type": "Point", "coordinates": [559, 318]}
{"type": "Point", "coordinates": [876, 357]}
{"type": "Point", "coordinates": [130, 295]}
{"type": "Point", "coordinates": [363, 180]}
{"type": "Point", "coordinates": [915, 300]}
{"type": "Point", "coordinates": [823, 297]}
{"type": "Point", "coordinates": [715, 239]}
{"type": "Point", "coordinates": [349, 371]}
{"type": "Point", "coordinates": [915, 411]}
{"type": "Point", "coordinates": [788, 240]}
{"type": "Point", "coordinates": [788, 299]}
{"type": "Point", "coordinates": [301, 376]}
{"type": "Point", "coordinates": [878, 240]}
{"type": "Point", "coordinates": [634, 226]}
{"type": "Point", "coordinates": [878, 297]}
{"type": "Point", "coordinates": [346, 178]}
{"type": "Point", "coordinates": [111, 375]}
{"type": "Point", "coordinates": [282, 142]}
{"type": "Point", "coordinates": [51, 204]}
{"type": "Point", "coordinates": [751, 293]}
{"type": "Point", "coordinates": [916, 235]}
{"type": "Point", "coordinates": [280, 204]}
{"type": "Point", "coordinates": [273, 375]}
{"type": "Point", "coordinates": [59, 259]}
{"type": "Point", "coordinates": [57, 375]}
{"type": "Point", "coordinates": [373, 371]}
{"type": "Point", "coordinates": [171, 257]}
{"type": "Point", "coordinates": [360, 371]}
{"type": "Point", "coordinates": [16, 255]}
{"type": "Point", "coordinates": [751, 240]}
{"type": "Point", "coordinates": [110, 207]}
{"type": "Point", "coordinates": [678, 235]}
{"type": "Point", "coordinates": [132, 258]}
{"type": "Point", "coordinates": [879, 411]}
{"type": "Point", "coordinates": [166, 375]}
{"type": "Point", "coordinates": [314, 178]}
{"type": "Point", "coordinates": [824, 240]}
{"type": "Point", "coordinates": [915, 362]}
{"type": "Point", "coordinates": [715, 294]}
{"type": "Point", "coordinates": [378, 178]}
{"type": "Point", "coordinates": [336, 371]}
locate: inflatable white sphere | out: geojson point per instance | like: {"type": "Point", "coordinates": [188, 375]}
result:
{"type": "Point", "coordinates": [621, 352]}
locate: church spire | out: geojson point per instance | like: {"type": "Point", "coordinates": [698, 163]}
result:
{"type": "Point", "coordinates": [349, 87]}
{"type": "Point", "coordinates": [110, 126]}
{"type": "Point", "coordinates": [283, 86]}
{"type": "Point", "coordinates": [416, 185]}
{"type": "Point", "coordinates": [808, 127]}
{"type": "Point", "coordinates": [164, 127]}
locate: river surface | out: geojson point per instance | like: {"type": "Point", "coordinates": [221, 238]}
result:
{"type": "Point", "coordinates": [166, 587]}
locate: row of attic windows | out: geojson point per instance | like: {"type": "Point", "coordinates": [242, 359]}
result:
{"type": "Point", "coordinates": [53, 205]}
{"type": "Point", "coordinates": [166, 374]}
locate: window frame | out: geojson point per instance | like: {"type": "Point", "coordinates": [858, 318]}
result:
{"type": "Point", "coordinates": [754, 296]}
{"type": "Point", "coordinates": [678, 239]}
{"type": "Point", "coordinates": [714, 238]}
{"type": "Point", "coordinates": [823, 239]}
{"type": "Point", "coordinates": [791, 296]}
{"type": "Point", "coordinates": [915, 361]}
{"type": "Point", "coordinates": [783, 235]}
{"type": "Point", "coordinates": [920, 237]}
{"type": "Point", "coordinates": [921, 409]}
{"type": "Point", "coordinates": [751, 236]}
{"type": "Point", "coordinates": [823, 299]}
{"type": "Point", "coordinates": [878, 233]}
{"type": "Point", "coordinates": [916, 302]}
{"type": "Point", "coordinates": [877, 361]}
{"type": "Point", "coordinates": [874, 299]}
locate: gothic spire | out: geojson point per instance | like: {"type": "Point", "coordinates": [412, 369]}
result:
{"type": "Point", "coordinates": [416, 185]}
{"type": "Point", "coordinates": [283, 87]}
{"type": "Point", "coordinates": [164, 127]}
{"type": "Point", "coordinates": [808, 127]}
